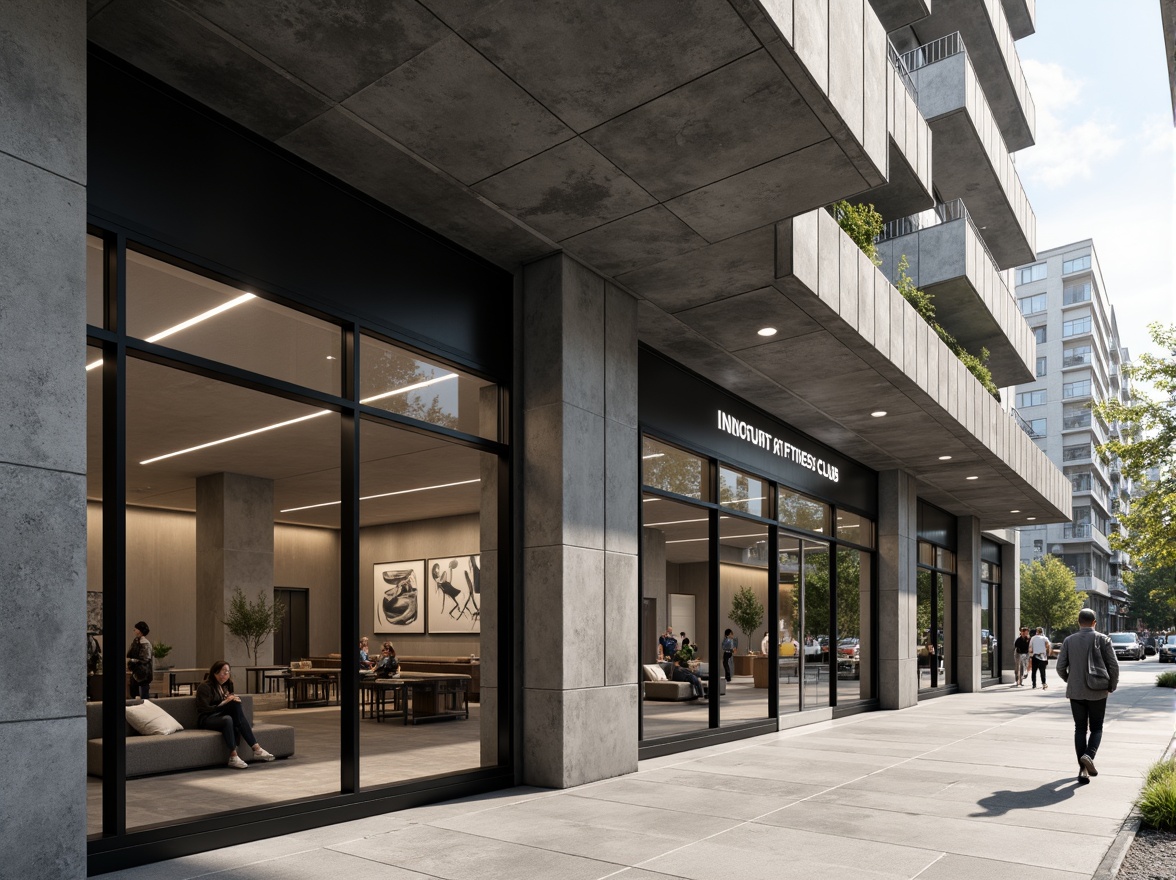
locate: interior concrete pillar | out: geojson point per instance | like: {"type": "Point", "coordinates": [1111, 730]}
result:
{"type": "Point", "coordinates": [580, 541]}
{"type": "Point", "coordinates": [967, 599]}
{"type": "Point", "coordinates": [898, 534]}
{"type": "Point", "coordinates": [234, 548]}
{"type": "Point", "coordinates": [43, 440]}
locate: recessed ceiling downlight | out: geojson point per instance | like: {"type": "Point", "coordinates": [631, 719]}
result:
{"type": "Point", "coordinates": [945, 458]}
{"type": "Point", "coordinates": [767, 331]}
{"type": "Point", "coordinates": [973, 478]}
{"type": "Point", "coordinates": [878, 413]}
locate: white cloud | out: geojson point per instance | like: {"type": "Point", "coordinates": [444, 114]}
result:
{"type": "Point", "coordinates": [1070, 143]}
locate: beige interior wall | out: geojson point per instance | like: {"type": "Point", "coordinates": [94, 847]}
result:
{"type": "Point", "coordinates": [423, 539]}
{"type": "Point", "coordinates": [731, 579]}
{"type": "Point", "coordinates": [161, 575]}
{"type": "Point", "coordinates": [693, 578]}
{"type": "Point", "coordinates": [309, 558]}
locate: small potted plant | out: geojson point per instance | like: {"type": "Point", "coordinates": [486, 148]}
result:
{"type": "Point", "coordinates": [160, 650]}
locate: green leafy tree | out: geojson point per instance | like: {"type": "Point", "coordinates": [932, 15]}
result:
{"type": "Point", "coordinates": [747, 613]}
{"type": "Point", "coordinates": [1146, 449]}
{"type": "Point", "coordinates": [252, 622]}
{"type": "Point", "coordinates": [1153, 596]}
{"type": "Point", "coordinates": [1048, 597]}
{"type": "Point", "coordinates": [861, 223]}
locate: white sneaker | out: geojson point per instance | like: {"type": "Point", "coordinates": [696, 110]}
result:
{"type": "Point", "coordinates": [262, 755]}
{"type": "Point", "coordinates": [236, 763]}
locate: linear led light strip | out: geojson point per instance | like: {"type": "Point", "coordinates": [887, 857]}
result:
{"type": "Point", "coordinates": [313, 415]}
{"type": "Point", "coordinates": [184, 325]}
{"type": "Point", "coordinates": [722, 538]}
{"type": "Point", "coordinates": [384, 495]}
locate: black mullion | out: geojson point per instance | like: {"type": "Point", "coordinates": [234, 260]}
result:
{"type": "Point", "coordinates": [640, 592]}
{"type": "Point", "coordinates": [773, 613]}
{"type": "Point", "coordinates": [349, 757]}
{"type": "Point", "coordinates": [801, 622]}
{"type": "Point", "coordinates": [114, 532]}
{"type": "Point", "coordinates": [834, 625]}
{"type": "Point", "coordinates": [712, 597]}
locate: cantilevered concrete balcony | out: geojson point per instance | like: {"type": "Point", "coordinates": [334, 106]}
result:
{"type": "Point", "coordinates": [1021, 16]}
{"type": "Point", "coordinates": [908, 188]}
{"type": "Point", "coordinates": [625, 136]}
{"type": "Point", "coordinates": [986, 31]}
{"type": "Point", "coordinates": [947, 258]}
{"type": "Point", "coordinates": [969, 157]}
{"type": "Point", "coordinates": [848, 345]}
{"type": "Point", "coordinates": [895, 14]}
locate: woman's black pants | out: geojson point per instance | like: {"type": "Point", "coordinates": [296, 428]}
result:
{"type": "Point", "coordinates": [230, 720]}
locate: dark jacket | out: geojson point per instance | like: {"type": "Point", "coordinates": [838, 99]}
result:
{"type": "Point", "coordinates": [210, 695]}
{"type": "Point", "coordinates": [1074, 657]}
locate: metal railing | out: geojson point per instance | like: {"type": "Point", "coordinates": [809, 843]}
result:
{"type": "Point", "coordinates": [936, 50]}
{"type": "Point", "coordinates": [905, 75]}
{"type": "Point", "coordinates": [1080, 530]}
{"type": "Point", "coordinates": [1078, 421]}
{"type": "Point", "coordinates": [1023, 423]}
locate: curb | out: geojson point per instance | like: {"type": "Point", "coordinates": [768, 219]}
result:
{"type": "Point", "coordinates": [1108, 868]}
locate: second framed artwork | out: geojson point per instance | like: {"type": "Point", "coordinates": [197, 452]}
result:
{"type": "Point", "coordinates": [445, 591]}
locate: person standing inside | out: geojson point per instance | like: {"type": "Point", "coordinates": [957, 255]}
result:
{"type": "Point", "coordinates": [729, 646]}
{"type": "Point", "coordinates": [1040, 650]}
{"type": "Point", "coordinates": [141, 662]}
{"type": "Point", "coordinates": [1021, 656]}
{"type": "Point", "coordinates": [668, 644]}
{"type": "Point", "coordinates": [1087, 689]}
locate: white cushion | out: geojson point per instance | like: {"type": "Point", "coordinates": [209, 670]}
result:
{"type": "Point", "coordinates": [653, 672]}
{"type": "Point", "coordinates": [149, 720]}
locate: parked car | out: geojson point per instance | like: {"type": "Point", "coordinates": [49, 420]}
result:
{"type": "Point", "coordinates": [1127, 646]}
{"type": "Point", "coordinates": [1149, 645]}
{"type": "Point", "coordinates": [1167, 649]}
{"type": "Point", "coordinates": [849, 653]}
{"type": "Point", "coordinates": [812, 647]}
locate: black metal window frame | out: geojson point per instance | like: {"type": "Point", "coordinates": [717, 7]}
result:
{"type": "Point", "coordinates": [938, 688]}
{"type": "Point", "coordinates": [713, 733]}
{"type": "Point", "coordinates": [117, 848]}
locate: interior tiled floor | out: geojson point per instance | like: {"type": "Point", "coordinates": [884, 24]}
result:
{"type": "Point", "coordinates": [389, 752]}
{"type": "Point", "coordinates": [741, 703]}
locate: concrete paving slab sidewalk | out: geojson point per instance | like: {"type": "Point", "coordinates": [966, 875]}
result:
{"type": "Point", "coordinates": [968, 786]}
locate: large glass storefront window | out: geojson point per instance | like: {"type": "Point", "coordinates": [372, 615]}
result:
{"type": "Point", "coordinates": [767, 638]}
{"type": "Point", "coordinates": [263, 506]}
{"type": "Point", "coordinates": [935, 591]}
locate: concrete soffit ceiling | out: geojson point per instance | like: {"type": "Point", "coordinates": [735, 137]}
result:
{"type": "Point", "coordinates": [663, 163]}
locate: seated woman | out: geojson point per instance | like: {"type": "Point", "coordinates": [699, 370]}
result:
{"type": "Point", "coordinates": [364, 662]}
{"type": "Point", "coordinates": [219, 708]}
{"type": "Point", "coordinates": [387, 666]}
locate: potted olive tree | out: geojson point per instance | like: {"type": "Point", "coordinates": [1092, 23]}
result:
{"type": "Point", "coordinates": [252, 622]}
{"type": "Point", "coordinates": [747, 613]}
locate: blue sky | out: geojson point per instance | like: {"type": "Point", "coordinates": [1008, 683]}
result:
{"type": "Point", "coordinates": [1103, 164]}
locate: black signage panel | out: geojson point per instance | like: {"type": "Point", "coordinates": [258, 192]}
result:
{"type": "Point", "coordinates": [682, 407]}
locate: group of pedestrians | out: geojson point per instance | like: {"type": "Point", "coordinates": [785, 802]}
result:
{"type": "Point", "coordinates": [1087, 664]}
{"type": "Point", "coordinates": [1031, 653]}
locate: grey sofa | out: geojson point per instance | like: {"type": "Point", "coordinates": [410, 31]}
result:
{"type": "Point", "coordinates": [675, 691]}
{"type": "Point", "coordinates": [185, 749]}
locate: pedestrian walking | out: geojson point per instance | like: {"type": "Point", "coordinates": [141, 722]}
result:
{"type": "Point", "coordinates": [1040, 649]}
{"type": "Point", "coordinates": [1021, 657]}
{"type": "Point", "coordinates": [1087, 664]}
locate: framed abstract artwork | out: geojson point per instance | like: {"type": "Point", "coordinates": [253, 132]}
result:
{"type": "Point", "coordinates": [399, 598]}
{"type": "Point", "coordinates": [455, 594]}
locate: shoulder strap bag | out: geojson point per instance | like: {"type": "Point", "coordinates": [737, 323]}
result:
{"type": "Point", "coordinates": [1097, 677]}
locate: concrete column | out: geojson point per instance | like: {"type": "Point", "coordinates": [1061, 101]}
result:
{"type": "Point", "coordinates": [43, 440]}
{"type": "Point", "coordinates": [1010, 601]}
{"type": "Point", "coordinates": [234, 548]}
{"type": "Point", "coordinates": [898, 533]}
{"type": "Point", "coordinates": [580, 461]}
{"type": "Point", "coordinates": [967, 599]}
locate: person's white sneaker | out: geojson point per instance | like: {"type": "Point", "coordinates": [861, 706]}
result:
{"type": "Point", "coordinates": [236, 763]}
{"type": "Point", "coordinates": [262, 755]}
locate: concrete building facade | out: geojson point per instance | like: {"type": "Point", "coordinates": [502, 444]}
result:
{"type": "Point", "coordinates": [516, 336]}
{"type": "Point", "coordinates": [1080, 361]}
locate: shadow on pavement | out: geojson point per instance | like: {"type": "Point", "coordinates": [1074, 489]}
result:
{"type": "Point", "coordinates": [1001, 802]}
